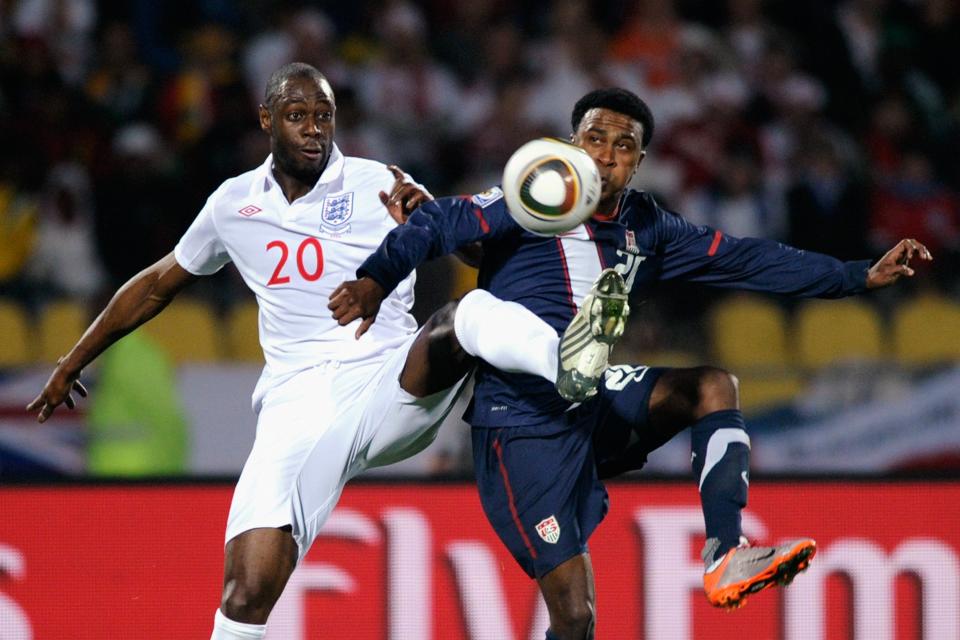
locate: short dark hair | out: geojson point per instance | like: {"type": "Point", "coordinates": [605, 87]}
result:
{"type": "Point", "coordinates": [619, 100]}
{"type": "Point", "coordinates": [284, 73]}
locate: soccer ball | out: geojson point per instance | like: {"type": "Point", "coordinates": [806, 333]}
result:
{"type": "Point", "coordinates": [550, 186]}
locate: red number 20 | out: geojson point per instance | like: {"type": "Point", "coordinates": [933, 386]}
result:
{"type": "Point", "coordinates": [276, 278]}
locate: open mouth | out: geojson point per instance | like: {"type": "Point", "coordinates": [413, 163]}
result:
{"type": "Point", "coordinates": [312, 153]}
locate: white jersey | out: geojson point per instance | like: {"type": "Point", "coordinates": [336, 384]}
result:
{"type": "Point", "coordinates": [292, 256]}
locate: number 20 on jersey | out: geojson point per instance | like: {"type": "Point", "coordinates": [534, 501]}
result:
{"type": "Point", "coordinates": [308, 245]}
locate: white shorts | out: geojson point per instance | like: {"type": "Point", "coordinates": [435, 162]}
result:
{"type": "Point", "coordinates": [323, 426]}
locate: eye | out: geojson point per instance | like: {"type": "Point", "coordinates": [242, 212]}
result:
{"type": "Point", "coordinates": [294, 116]}
{"type": "Point", "coordinates": [326, 116]}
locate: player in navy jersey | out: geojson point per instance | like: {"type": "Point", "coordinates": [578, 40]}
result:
{"type": "Point", "coordinates": [543, 445]}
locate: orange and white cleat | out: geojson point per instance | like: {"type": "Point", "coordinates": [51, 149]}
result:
{"type": "Point", "coordinates": [745, 570]}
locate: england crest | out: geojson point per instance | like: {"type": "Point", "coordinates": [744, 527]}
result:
{"type": "Point", "coordinates": [549, 529]}
{"type": "Point", "coordinates": [336, 214]}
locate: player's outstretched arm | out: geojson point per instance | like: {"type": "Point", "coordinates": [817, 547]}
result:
{"type": "Point", "coordinates": [896, 263]}
{"type": "Point", "coordinates": [141, 298]}
{"type": "Point", "coordinates": [357, 299]}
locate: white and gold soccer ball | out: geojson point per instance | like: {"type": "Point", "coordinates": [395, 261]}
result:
{"type": "Point", "coordinates": [550, 186]}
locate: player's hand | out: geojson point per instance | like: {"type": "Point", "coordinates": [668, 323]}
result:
{"type": "Point", "coordinates": [58, 390]}
{"type": "Point", "coordinates": [896, 264]}
{"type": "Point", "coordinates": [357, 299]}
{"type": "Point", "coordinates": [404, 197]}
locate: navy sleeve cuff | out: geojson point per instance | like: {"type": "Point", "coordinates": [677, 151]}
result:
{"type": "Point", "coordinates": [383, 277]}
{"type": "Point", "coordinates": [855, 276]}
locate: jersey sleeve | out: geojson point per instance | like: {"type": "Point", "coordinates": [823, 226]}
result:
{"type": "Point", "coordinates": [436, 229]}
{"type": "Point", "coordinates": [200, 250]}
{"type": "Point", "coordinates": [705, 255]}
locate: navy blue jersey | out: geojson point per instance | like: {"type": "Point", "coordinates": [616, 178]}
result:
{"type": "Point", "coordinates": [551, 275]}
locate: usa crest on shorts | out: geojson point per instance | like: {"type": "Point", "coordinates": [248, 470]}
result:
{"type": "Point", "coordinates": [336, 214]}
{"type": "Point", "coordinates": [549, 529]}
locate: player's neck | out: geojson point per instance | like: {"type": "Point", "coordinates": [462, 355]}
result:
{"type": "Point", "coordinates": [293, 187]}
{"type": "Point", "coordinates": [609, 208]}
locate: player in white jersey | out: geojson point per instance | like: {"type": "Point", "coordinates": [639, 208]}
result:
{"type": "Point", "coordinates": [332, 400]}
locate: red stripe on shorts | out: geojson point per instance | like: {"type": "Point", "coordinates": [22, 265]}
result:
{"type": "Point", "coordinates": [513, 507]}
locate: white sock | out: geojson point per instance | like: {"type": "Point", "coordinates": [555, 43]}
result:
{"type": "Point", "coordinates": [506, 334]}
{"type": "Point", "coordinates": [226, 629]}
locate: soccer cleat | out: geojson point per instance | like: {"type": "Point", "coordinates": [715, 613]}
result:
{"type": "Point", "coordinates": [586, 344]}
{"type": "Point", "coordinates": [744, 570]}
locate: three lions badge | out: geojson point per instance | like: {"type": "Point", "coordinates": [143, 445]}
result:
{"type": "Point", "coordinates": [337, 211]}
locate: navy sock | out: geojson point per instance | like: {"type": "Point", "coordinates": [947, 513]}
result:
{"type": "Point", "coordinates": [721, 447]}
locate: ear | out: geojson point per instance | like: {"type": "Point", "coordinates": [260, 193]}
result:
{"type": "Point", "coordinates": [264, 115]}
{"type": "Point", "coordinates": [643, 154]}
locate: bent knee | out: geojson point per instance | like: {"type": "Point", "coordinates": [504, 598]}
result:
{"type": "Point", "coordinates": [442, 319]}
{"type": "Point", "coordinates": [248, 601]}
{"type": "Point", "coordinates": [718, 389]}
{"type": "Point", "coordinates": [573, 618]}
{"type": "Point", "coordinates": [439, 329]}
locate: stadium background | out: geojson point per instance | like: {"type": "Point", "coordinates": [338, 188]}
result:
{"type": "Point", "coordinates": [831, 125]}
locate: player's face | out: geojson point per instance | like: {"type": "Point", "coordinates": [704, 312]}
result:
{"type": "Point", "coordinates": [301, 124]}
{"type": "Point", "coordinates": [613, 140]}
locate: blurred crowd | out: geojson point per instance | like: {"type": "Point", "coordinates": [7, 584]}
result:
{"type": "Point", "coordinates": [831, 125]}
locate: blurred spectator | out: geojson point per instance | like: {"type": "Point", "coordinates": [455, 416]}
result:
{"type": "Point", "coordinates": [18, 218]}
{"type": "Point", "coordinates": [749, 33]}
{"type": "Point", "coordinates": [892, 128]}
{"type": "Point", "coordinates": [796, 119]}
{"type": "Point", "coordinates": [190, 100]}
{"type": "Point", "coordinates": [502, 58]}
{"type": "Point", "coordinates": [500, 132]}
{"type": "Point", "coordinates": [65, 26]}
{"type": "Point", "coordinates": [735, 202]}
{"type": "Point", "coordinates": [651, 39]}
{"type": "Point", "coordinates": [700, 59]}
{"type": "Point", "coordinates": [861, 22]}
{"type": "Point", "coordinates": [64, 261]}
{"type": "Point", "coordinates": [700, 143]}
{"type": "Point", "coordinates": [304, 35]}
{"type": "Point", "coordinates": [119, 82]}
{"type": "Point", "coordinates": [139, 203]}
{"type": "Point", "coordinates": [827, 205]}
{"type": "Point", "coordinates": [935, 41]}
{"type": "Point", "coordinates": [456, 35]}
{"type": "Point", "coordinates": [357, 133]}
{"type": "Point", "coordinates": [912, 203]}
{"type": "Point", "coordinates": [570, 63]}
{"type": "Point", "coordinates": [415, 97]}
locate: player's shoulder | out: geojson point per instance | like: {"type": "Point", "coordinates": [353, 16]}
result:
{"type": "Point", "coordinates": [640, 200]}
{"type": "Point", "coordinates": [644, 206]}
{"type": "Point", "coordinates": [239, 187]}
{"type": "Point", "coordinates": [366, 171]}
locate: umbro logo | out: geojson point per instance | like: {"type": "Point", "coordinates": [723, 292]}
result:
{"type": "Point", "coordinates": [249, 210]}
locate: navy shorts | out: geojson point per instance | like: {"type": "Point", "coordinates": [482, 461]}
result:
{"type": "Point", "coordinates": [540, 485]}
